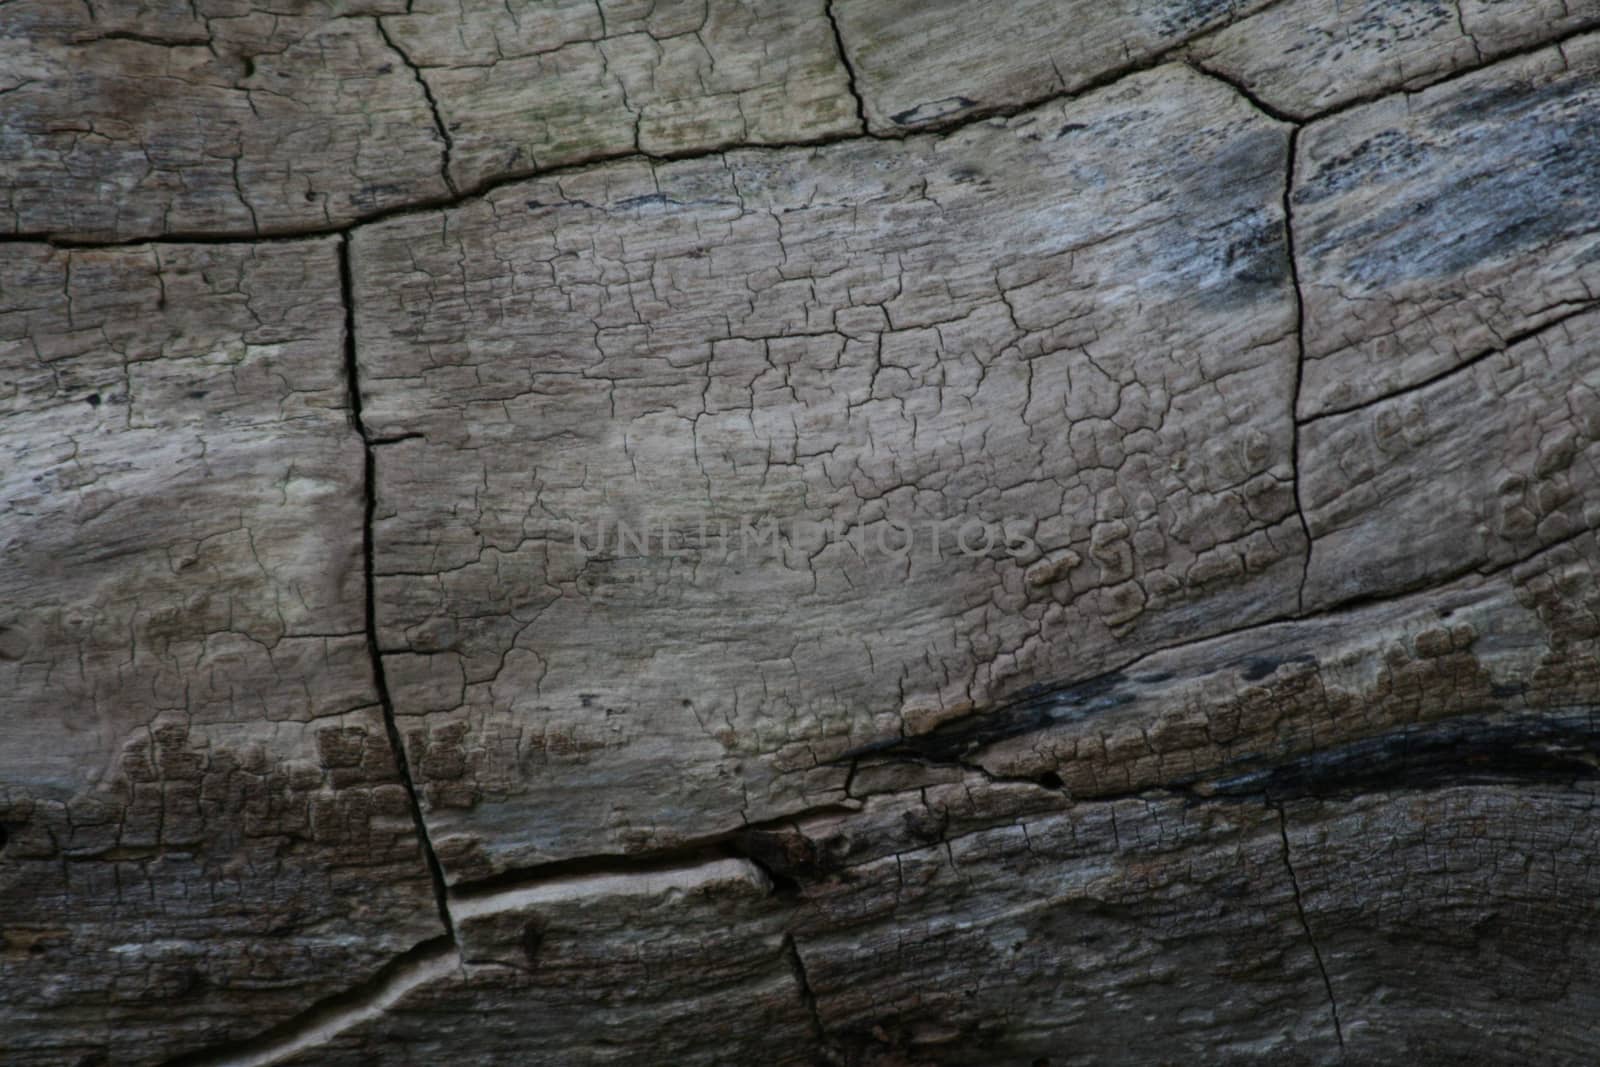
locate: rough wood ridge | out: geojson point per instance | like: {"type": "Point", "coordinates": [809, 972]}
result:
{"type": "Point", "coordinates": [1196, 405]}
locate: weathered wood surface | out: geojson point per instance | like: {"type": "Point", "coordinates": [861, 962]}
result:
{"type": "Point", "coordinates": [205, 829]}
{"type": "Point", "coordinates": [865, 333]}
{"type": "Point", "coordinates": [1442, 225]}
{"type": "Point", "coordinates": [1261, 337]}
{"type": "Point", "coordinates": [938, 62]}
{"type": "Point", "coordinates": [527, 87]}
{"type": "Point", "coordinates": [237, 117]}
{"type": "Point", "coordinates": [1303, 57]}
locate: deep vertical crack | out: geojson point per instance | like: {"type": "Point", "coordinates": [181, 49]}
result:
{"type": "Point", "coordinates": [807, 997]}
{"type": "Point", "coordinates": [1305, 925]}
{"type": "Point", "coordinates": [849, 68]}
{"type": "Point", "coordinates": [1295, 126]}
{"type": "Point", "coordinates": [1300, 359]}
{"type": "Point", "coordinates": [447, 143]}
{"type": "Point", "coordinates": [380, 679]}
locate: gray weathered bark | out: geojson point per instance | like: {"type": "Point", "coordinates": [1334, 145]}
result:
{"type": "Point", "coordinates": [1256, 346]}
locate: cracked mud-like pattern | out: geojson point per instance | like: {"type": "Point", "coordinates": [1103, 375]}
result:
{"type": "Point", "coordinates": [339, 723]}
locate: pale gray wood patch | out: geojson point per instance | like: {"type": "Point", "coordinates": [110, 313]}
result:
{"type": "Point", "coordinates": [1013, 323]}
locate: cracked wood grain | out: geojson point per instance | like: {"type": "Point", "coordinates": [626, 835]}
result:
{"type": "Point", "coordinates": [1106, 920]}
{"type": "Point", "coordinates": [135, 175]}
{"type": "Point", "coordinates": [934, 63]}
{"type": "Point", "coordinates": [238, 119]}
{"type": "Point", "coordinates": [322, 1025]}
{"type": "Point", "coordinates": [379, 675]}
{"type": "Point", "coordinates": [687, 964]}
{"type": "Point", "coordinates": [952, 60]}
{"type": "Point", "coordinates": [522, 88]}
{"type": "Point", "coordinates": [1434, 226]}
{"type": "Point", "coordinates": [1479, 468]}
{"type": "Point", "coordinates": [1139, 435]}
{"type": "Point", "coordinates": [1306, 58]}
{"type": "Point", "coordinates": [1516, 643]}
{"type": "Point", "coordinates": [1280, 747]}
{"type": "Point", "coordinates": [199, 800]}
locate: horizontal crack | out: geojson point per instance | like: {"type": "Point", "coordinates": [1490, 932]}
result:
{"type": "Point", "coordinates": [1175, 53]}
{"type": "Point", "coordinates": [145, 38]}
{"type": "Point", "coordinates": [1551, 746]}
{"type": "Point", "coordinates": [1243, 90]}
{"type": "Point", "coordinates": [1513, 750]}
{"type": "Point", "coordinates": [728, 844]}
{"type": "Point", "coordinates": [319, 1024]}
{"type": "Point", "coordinates": [651, 879]}
{"type": "Point", "coordinates": [1505, 344]}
